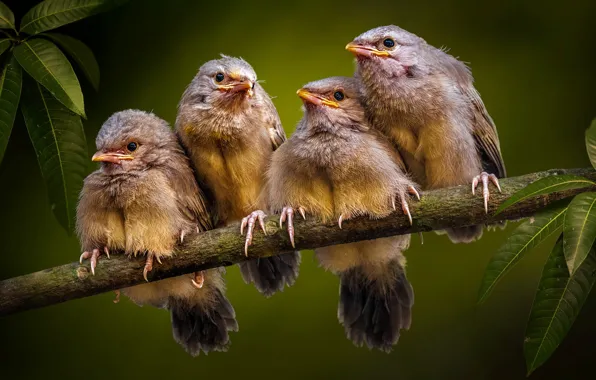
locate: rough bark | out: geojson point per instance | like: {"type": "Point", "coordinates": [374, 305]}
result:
{"type": "Point", "coordinates": [438, 209]}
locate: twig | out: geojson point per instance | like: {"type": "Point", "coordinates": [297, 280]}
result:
{"type": "Point", "coordinates": [438, 209]}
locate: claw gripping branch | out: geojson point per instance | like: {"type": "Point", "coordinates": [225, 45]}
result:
{"type": "Point", "coordinates": [437, 210]}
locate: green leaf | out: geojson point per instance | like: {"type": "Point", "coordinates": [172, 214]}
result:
{"type": "Point", "coordinates": [591, 143]}
{"type": "Point", "coordinates": [4, 45]}
{"type": "Point", "coordinates": [580, 229]}
{"type": "Point", "coordinates": [6, 17]}
{"type": "Point", "coordinates": [557, 303]}
{"type": "Point", "coordinates": [545, 186]}
{"type": "Point", "coordinates": [81, 54]}
{"type": "Point", "coordinates": [11, 78]}
{"type": "Point", "coordinates": [51, 14]}
{"type": "Point", "coordinates": [525, 237]}
{"type": "Point", "coordinates": [59, 141]}
{"type": "Point", "coordinates": [46, 64]}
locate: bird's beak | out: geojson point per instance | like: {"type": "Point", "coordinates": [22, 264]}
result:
{"type": "Point", "coordinates": [315, 99]}
{"type": "Point", "coordinates": [113, 157]}
{"type": "Point", "coordinates": [239, 86]}
{"type": "Point", "coordinates": [365, 51]}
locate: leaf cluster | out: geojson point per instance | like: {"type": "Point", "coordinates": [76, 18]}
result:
{"type": "Point", "coordinates": [570, 270]}
{"type": "Point", "coordinates": [37, 75]}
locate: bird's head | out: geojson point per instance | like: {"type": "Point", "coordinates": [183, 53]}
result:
{"type": "Point", "coordinates": [133, 140]}
{"type": "Point", "coordinates": [389, 48]}
{"type": "Point", "coordinates": [224, 82]}
{"type": "Point", "coordinates": [332, 101]}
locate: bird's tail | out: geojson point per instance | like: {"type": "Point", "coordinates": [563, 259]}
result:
{"type": "Point", "coordinates": [374, 308]}
{"type": "Point", "coordinates": [271, 274]}
{"type": "Point", "coordinates": [202, 323]}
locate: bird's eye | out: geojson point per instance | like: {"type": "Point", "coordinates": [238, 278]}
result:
{"type": "Point", "coordinates": [389, 43]}
{"type": "Point", "coordinates": [338, 95]}
{"type": "Point", "coordinates": [219, 77]}
{"type": "Point", "coordinates": [132, 146]}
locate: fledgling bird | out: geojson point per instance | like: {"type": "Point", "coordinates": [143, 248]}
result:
{"type": "Point", "coordinates": [140, 201]}
{"type": "Point", "coordinates": [230, 128]}
{"type": "Point", "coordinates": [335, 167]}
{"type": "Point", "coordinates": [424, 100]}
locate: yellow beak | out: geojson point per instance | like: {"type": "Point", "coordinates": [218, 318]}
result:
{"type": "Point", "coordinates": [316, 99]}
{"type": "Point", "coordinates": [113, 157]}
{"type": "Point", "coordinates": [365, 51]}
{"type": "Point", "coordinates": [246, 86]}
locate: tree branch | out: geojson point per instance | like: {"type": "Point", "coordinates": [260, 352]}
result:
{"type": "Point", "coordinates": [438, 209]}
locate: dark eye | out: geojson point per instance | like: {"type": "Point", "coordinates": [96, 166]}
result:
{"type": "Point", "coordinates": [219, 77]}
{"type": "Point", "coordinates": [389, 43]}
{"type": "Point", "coordinates": [338, 95]}
{"type": "Point", "coordinates": [132, 146]}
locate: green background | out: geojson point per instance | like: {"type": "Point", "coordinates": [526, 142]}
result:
{"type": "Point", "coordinates": [534, 66]}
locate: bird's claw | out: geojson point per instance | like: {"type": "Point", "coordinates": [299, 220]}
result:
{"type": "Point", "coordinates": [287, 213]}
{"type": "Point", "coordinates": [341, 218]}
{"type": "Point", "coordinates": [412, 190]}
{"type": "Point", "coordinates": [404, 203]}
{"type": "Point", "coordinates": [198, 280]}
{"type": "Point", "coordinates": [117, 299]}
{"type": "Point", "coordinates": [485, 177]}
{"type": "Point", "coordinates": [250, 222]}
{"type": "Point", "coordinates": [406, 209]}
{"type": "Point", "coordinates": [149, 264]}
{"type": "Point", "coordinates": [93, 256]}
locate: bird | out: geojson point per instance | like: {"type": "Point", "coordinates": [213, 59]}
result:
{"type": "Point", "coordinates": [230, 128]}
{"type": "Point", "coordinates": [336, 167]}
{"type": "Point", "coordinates": [424, 100]}
{"type": "Point", "coordinates": [142, 200]}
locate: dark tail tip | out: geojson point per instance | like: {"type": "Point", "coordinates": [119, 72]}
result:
{"type": "Point", "coordinates": [373, 312]}
{"type": "Point", "coordinates": [198, 327]}
{"type": "Point", "coordinates": [465, 234]}
{"type": "Point", "coordinates": [271, 274]}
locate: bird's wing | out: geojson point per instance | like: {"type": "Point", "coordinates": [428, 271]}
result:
{"type": "Point", "coordinates": [190, 198]}
{"type": "Point", "coordinates": [484, 129]}
{"type": "Point", "coordinates": [273, 123]}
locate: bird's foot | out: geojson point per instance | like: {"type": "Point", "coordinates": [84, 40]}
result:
{"type": "Point", "coordinates": [404, 203]}
{"type": "Point", "coordinates": [287, 214]}
{"type": "Point", "coordinates": [341, 218]}
{"type": "Point", "coordinates": [485, 177]}
{"type": "Point", "coordinates": [198, 280]}
{"type": "Point", "coordinates": [117, 299]}
{"type": "Point", "coordinates": [149, 264]}
{"type": "Point", "coordinates": [93, 256]}
{"type": "Point", "coordinates": [250, 222]}
{"type": "Point", "coordinates": [185, 233]}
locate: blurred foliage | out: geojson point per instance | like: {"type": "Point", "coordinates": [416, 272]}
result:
{"type": "Point", "coordinates": [533, 64]}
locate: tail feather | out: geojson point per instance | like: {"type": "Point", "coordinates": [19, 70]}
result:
{"type": "Point", "coordinates": [271, 274]}
{"type": "Point", "coordinates": [200, 327]}
{"type": "Point", "coordinates": [374, 311]}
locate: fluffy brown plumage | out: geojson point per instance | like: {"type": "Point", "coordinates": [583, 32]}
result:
{"type": "Point", "coordinates": [424, 100]}
{"type": "Point", "coordinates": [335, 167]}
{"type": "Point", "coordinates": [229, 127]}
{"type": "Point", "coordinates": [142, 200]}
